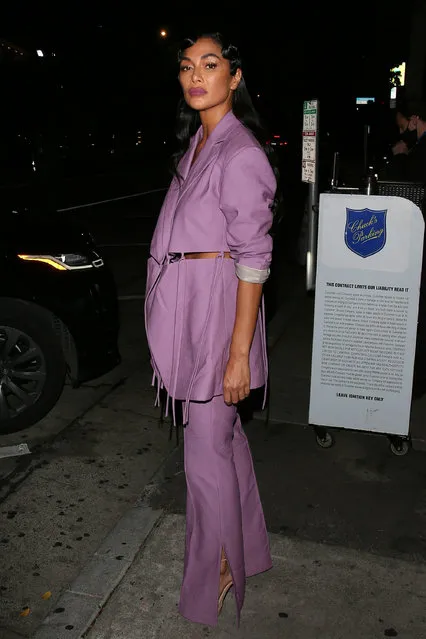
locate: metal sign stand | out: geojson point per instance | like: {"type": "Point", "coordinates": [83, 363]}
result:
{"type": "Point", "coordinates": [368, 279]}
{"type": "Point", "coordinates": [310, 153]}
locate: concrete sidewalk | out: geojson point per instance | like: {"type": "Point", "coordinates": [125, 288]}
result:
{"type": "Point", "coordinates": [313, 591]}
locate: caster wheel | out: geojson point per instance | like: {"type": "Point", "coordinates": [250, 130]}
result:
{"type": "Point", "coordinates": [400, 447]}
{"type": "Point", "coordinates": [325, 440]}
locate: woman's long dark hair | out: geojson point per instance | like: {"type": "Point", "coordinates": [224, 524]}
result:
{"type": "Point", "coordinates": [188, 120]}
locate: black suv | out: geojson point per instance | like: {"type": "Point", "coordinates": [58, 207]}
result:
{"type": "Point", "coordinates": [58, 314]}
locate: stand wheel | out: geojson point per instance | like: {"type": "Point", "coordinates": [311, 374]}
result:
{"type": "Point", "coordinates": [325, 439]}
{"type": "Point", "coordinates": [399, 446]}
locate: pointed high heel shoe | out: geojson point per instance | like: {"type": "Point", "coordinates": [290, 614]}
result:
{"type": "Point", "coordinates": [226, 589]}
{"type": "Point", "coordinates": [222, 596]}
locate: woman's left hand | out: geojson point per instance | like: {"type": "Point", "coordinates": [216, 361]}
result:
{"type": "Point", "coordinates": [236, 382]}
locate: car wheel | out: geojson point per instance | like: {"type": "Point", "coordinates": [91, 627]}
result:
{"type": "Point", "coordinates": [32, 365]}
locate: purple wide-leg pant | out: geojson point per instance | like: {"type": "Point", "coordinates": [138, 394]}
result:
{"type": "Point", "coordinates": [223, 510]}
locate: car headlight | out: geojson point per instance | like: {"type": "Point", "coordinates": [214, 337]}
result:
{"type": "Point", "coordinates": [65, 261]}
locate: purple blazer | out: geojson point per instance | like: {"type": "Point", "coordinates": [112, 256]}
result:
{"type": "Point", "coordinates": [221, 204]}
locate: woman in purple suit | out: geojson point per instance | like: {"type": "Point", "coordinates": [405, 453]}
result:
{"type": "Point", "coordinates": [209, 257]}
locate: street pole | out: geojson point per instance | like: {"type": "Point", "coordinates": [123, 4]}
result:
{"type": "Point", "coordinates": [366, 135]}
{"type": "Point", "coordinates": [310, 156]}
{"type": "Point", "coordinates": [335, 172]}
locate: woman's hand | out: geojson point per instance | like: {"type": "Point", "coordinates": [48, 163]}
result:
{"type": "Point", "coordinates": [236, 382]}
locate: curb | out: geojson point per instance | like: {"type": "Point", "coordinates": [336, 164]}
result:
{"type": "Point", "coordinates": [80, 604]}
{"type": "Point", "coordinates": [78, 607]}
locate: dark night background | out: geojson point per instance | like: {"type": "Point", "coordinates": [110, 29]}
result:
{"type": "Point", "coordinates": [112, 73]}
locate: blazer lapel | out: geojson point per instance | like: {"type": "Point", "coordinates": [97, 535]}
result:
{"type": "Point", "coordinates": [189, 174]}
{"type": "Point", "coordinates": [185, 163]}
{"type": "Point", "coordinates": [209, 152]}
{"type": "Point", "coordinates": [161, 237]}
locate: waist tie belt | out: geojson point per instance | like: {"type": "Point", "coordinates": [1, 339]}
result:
{"type": "Point", "coordinates": [198, 256]}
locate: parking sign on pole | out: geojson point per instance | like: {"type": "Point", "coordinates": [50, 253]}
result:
{"type": "Point", "coordinates": [310, 176]}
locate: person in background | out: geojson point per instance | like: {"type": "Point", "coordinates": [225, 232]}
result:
{"type": "Point", "coordinates": [416, 157]}
{"type": "Point", "coordinates": [407, 138]}
{"type": "Point", "coordinates": [407, 135]}
{"type": "Point", "coordinates": [411, 149]}
{"type": "Point", "coordinates": [413, 169]}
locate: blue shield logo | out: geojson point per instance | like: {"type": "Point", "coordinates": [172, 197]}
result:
{"type": "Point", "coordinates": [365, 231]}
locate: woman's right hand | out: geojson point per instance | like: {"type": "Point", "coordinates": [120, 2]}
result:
{"type": "Point", "coordinates": [236, 381]}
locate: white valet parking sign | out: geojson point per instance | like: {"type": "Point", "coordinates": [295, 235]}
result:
{"type": "Point", "coordinates": [366, 308]}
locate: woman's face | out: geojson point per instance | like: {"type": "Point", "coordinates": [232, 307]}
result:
{"type": "Point", "coordinates": [205, 77]}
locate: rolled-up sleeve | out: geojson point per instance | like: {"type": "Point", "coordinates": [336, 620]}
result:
{"type": "Point", "coordinates": [247, 192]}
